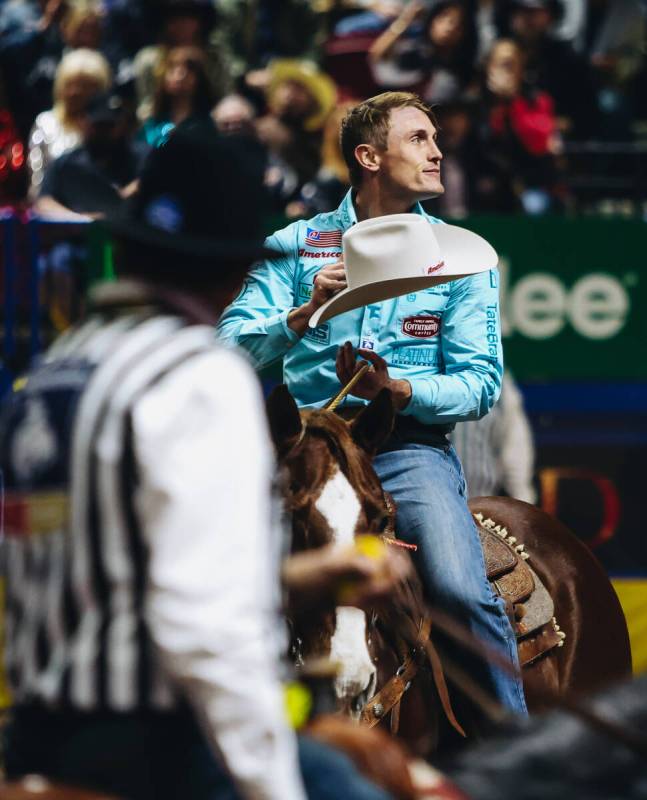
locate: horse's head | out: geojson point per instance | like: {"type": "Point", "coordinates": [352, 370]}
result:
{"type": "Point", "coordinates": [333, 493]}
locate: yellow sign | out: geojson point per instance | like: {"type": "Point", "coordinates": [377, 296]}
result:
{"type": "Point", "coordinates": [633, 597]}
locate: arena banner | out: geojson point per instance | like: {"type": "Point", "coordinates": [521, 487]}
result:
{"type": "Point", "coordinates": [633, 596]}
{"type": "Point", "coordinates": [572, 291]}
{"type": "Point", "coordinates": [591, 445]}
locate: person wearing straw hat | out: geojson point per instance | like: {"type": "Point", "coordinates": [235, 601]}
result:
{"type": "Point", "coordinates": [380, 279]}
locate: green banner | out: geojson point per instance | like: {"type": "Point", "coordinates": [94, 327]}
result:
{"type": "Point", "coordinates": [573, 292]}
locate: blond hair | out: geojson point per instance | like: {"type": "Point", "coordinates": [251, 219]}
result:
{"type": "Point", "coordinates": [368, 123]}
{"type": "Point", "coordinates": [82, 62]}
{"type": "Point", "coordinates": [77, 15]}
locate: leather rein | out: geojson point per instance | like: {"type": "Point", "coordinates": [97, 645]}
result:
{"type": "Point", "coordinates": [389, 697]}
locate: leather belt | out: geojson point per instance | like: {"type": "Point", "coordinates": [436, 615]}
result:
{"type": "Point", "coordinates": [406, 430]}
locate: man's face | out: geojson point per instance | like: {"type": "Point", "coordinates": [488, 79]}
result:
{"type": "Point", "coordinates": [292, 102]}
{"type": "Point", "coordinates": [410, 165]}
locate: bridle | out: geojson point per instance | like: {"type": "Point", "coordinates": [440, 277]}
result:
{"type": "Point", "coordinates": [414, 648]}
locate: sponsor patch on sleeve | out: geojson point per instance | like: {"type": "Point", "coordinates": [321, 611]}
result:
{"type": "Point", "coordinates": [421, 326]}
{"type": "Point", "coordinates": [305, 290]}
{"type": "Point", "coordinates": [320, 334]}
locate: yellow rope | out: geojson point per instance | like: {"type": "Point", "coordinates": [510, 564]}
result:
{"type": "Point", "coordinates": [331, 405]}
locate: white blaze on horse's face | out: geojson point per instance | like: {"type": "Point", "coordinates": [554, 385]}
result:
{"type": "Point", "coordinates": [339, 505]}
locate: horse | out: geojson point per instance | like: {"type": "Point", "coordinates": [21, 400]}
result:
{"type": "Point", "coordinates": [333, 493]}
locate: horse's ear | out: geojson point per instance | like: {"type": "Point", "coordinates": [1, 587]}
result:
{"type": "Point", "coordinates": [372, 426]}
{"type": "Point", "coordinates": [284, 418]}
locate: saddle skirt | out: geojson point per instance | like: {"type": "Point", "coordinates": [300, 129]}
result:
{"type": "Point", "coordinates": [529, 604]}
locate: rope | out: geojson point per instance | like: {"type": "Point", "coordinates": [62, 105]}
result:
{"type": "Point", "coordinates": [331, 405]}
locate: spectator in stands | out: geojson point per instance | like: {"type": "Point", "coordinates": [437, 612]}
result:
{"type": "Point", "coordinates": [128, 25]}
{"type": "Point", "coordinates": [497, 452]}
{"type": "Point", "coordinates": [299, 97]}
{"type": "Point", "coordinates": [183, 92]}
{"type": "Point", "coordinates": [487, 18]}
{"type": "Point", "coordinates": [236, 115]}
{"type": "Point", "coordinates": [614, 39]}
{"type": "Point", "coordinates": [30, 49]}
{"type": "Point", "coordinates": [80, 75]}
{"type": "Point", "coordinates": [92, 179]}
{"type": "Point", "coordinates": [82, 26]}
{"type": "Point", "coordinates": [438, 63]}
{"type": "Point", "coordinates": [457, 120]}
{"type": "Point", "coordinates": [518, 137]}
{"type": "Point", "coordinates": [251, 33]}
{"type": "Point", "coordinates": [553, 66]}
{"type": "Point", "coordinates": [185, 23]}
{"type": "Point", "coordinates": [332, 181]}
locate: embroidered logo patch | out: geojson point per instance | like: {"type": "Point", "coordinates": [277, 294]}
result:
{"type": "Point", "coordinates": [434, 268]}
{"type": "Point", "coordinates": [326, 239]}
{"type": "Point", "coordinates": [320, 253]}
{"type": "Point", "coordinates": [305, 290]}
{"type": "Point", "coordinates": [415, 356]}
{"type": "Point", "coordinates": [421, 327]}
{"type": "Point", "coordinates": [320, 334]}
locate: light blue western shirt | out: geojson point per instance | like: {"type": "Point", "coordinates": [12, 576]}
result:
{"type": "Point", "coordinates": [445, 340]}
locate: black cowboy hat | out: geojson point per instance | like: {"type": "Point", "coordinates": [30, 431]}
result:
{"type": "Point", "coordinates": [200, 197]}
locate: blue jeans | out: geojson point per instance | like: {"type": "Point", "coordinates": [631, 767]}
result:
{"type": "Point", "coordinates": [428, 487]}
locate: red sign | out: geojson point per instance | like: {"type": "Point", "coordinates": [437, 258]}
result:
{"type": "Point", "coordinates": [421, 327]}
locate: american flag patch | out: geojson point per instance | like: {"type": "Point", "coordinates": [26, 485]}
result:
{"type": "Point", "coordinates": [323, 238]}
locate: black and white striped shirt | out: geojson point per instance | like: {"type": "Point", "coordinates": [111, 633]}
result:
{"type": "Point", "coordinates": [75, 560]}
{"type": "Point", "coordinates": [139, 556]}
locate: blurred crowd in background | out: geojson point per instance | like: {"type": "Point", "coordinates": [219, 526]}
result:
{"type": "Point", "coordinates": [542, 104]}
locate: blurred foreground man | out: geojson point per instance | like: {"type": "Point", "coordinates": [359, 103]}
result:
{"type": "Point", "coordinates": [142, 570]}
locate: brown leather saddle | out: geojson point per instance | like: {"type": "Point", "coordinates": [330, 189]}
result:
{"type": "Point", "coordinates": [529, 604]}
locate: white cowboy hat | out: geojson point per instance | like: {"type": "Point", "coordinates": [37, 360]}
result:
{"type": "Point", "coordinates": [388, 256]}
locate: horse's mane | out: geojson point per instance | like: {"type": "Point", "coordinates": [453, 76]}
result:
{"type": "Point", "coordinates": [407, 596]}
{"type": "Point", "coordinates": [352, 460]}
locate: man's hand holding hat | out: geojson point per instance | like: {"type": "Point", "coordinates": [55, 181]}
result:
{"type": "Point", "coordinates": [329, 280]}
